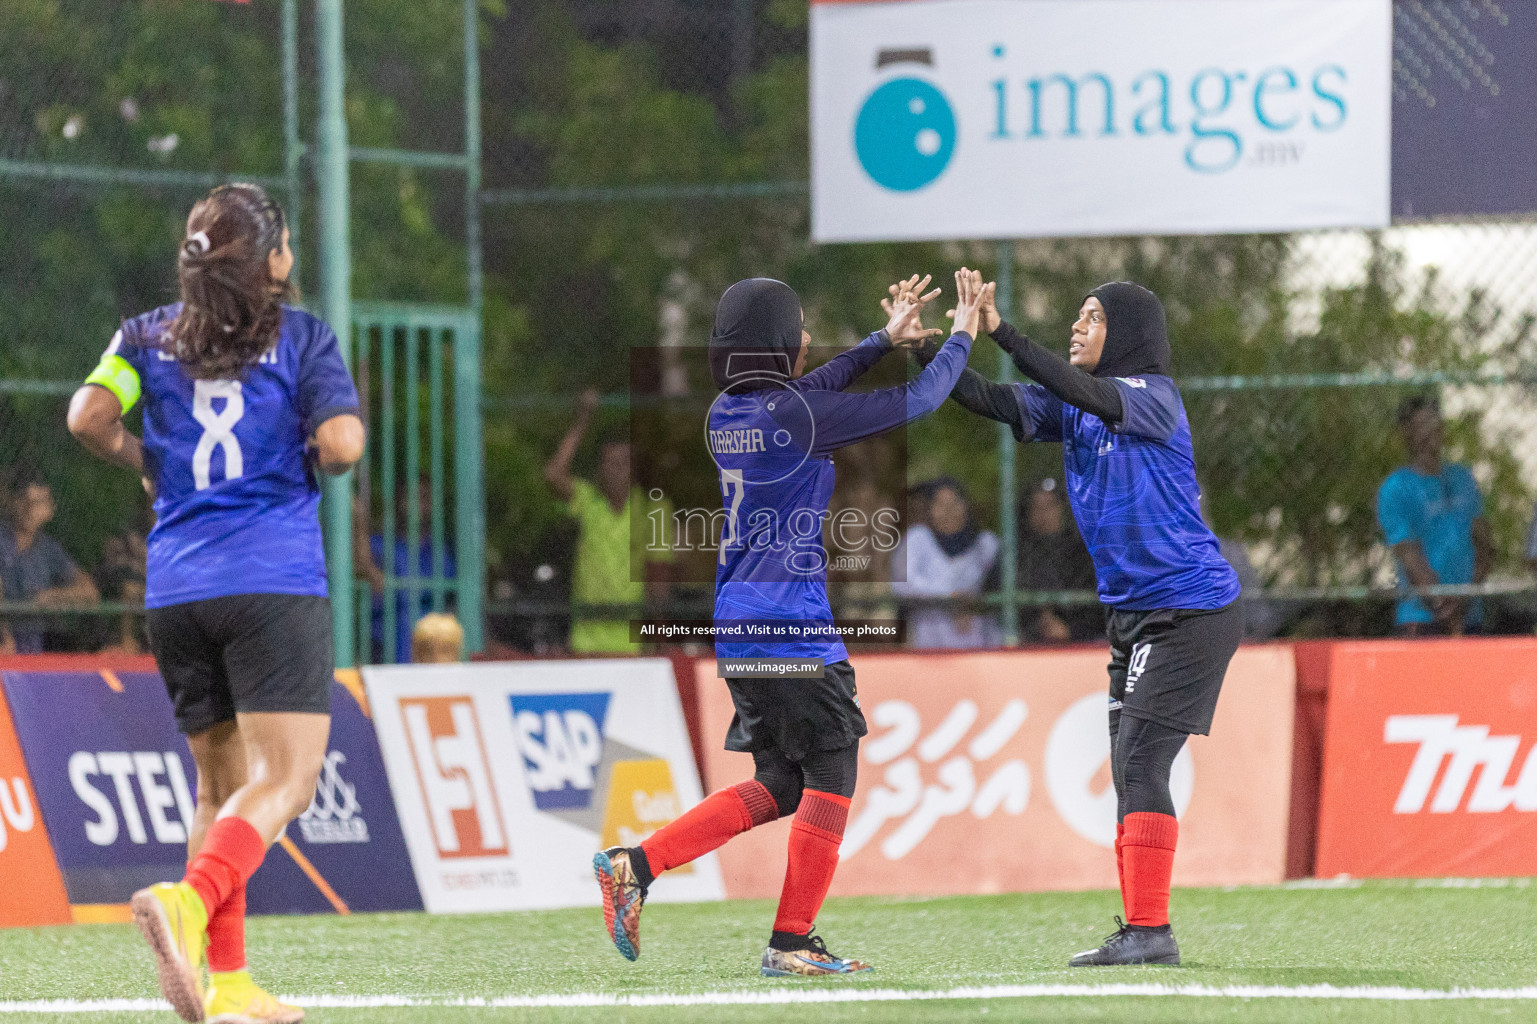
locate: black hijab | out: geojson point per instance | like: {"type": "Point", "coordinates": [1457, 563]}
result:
{"type": "Point", "coordinates": [1136, 331]}
{"type": "Point", "coordinates": [958, 543]}
{"type": "Point", "coordinates": [756, 337]}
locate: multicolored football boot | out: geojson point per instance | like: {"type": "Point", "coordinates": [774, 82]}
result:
{"type": "Point", "coordinates": [233, 998]}
{"type": "Point", "coordinates": [812, 962]}
{"type": "Point", "coordinates": [623, 896]}
{"type": "Point", "coordinates": [175, 924]}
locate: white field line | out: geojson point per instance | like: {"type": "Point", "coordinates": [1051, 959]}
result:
{"type": "Point", "coordinates": [778, 996]}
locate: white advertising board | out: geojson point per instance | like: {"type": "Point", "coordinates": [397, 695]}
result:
{"type": "Point", "coordinates": [944, 119]}
{"type": "Point", "coordinates": [508, 777]}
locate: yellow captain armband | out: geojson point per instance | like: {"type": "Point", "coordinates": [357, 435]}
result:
{"type": "Point", "coordinates": [118, 376]}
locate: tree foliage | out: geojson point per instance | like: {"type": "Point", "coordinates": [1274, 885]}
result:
{"type": "Point", "coordinates": [598, 93]}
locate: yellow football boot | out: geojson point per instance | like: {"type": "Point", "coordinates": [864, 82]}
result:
{"type": "Point", "coordinates": [175, 924]}
{"type": "Point", "coordinates": [233, 998]}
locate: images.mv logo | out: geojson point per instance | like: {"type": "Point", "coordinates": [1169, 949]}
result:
{"type": "Point", "coordinates": [905, 133]}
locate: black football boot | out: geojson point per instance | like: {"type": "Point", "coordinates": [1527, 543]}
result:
{"type": "Point", "coordinates": [1132, 944]}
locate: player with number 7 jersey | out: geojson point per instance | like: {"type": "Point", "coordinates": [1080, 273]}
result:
{"type": "Point", "coordinates": [772, 433]}
{"type": "Point", "coordinates": [245, 399]}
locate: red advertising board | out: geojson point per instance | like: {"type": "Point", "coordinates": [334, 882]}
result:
{"type": "Point", "coordinates": [34, 890]}
{"type": "Point", "coordinates": [1429, 763]}
{"type": "Point", "coordinates": [989, 772]}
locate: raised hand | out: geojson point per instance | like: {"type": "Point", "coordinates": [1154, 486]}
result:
{"type": "Point", "coordinates": [971, 296]}
{"type": "Point", "coordinates": [990, 318]}
{"type": "Point", "coordinates": [904, 310]}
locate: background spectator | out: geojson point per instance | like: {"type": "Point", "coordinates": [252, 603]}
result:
{"type": "Point", "coordinates": [1432, 517]}
{"type": "Point", "coordinates": [437, 639]}
{"type": "Point", "coordinates": [120, 577]}
{"type": "Point", "coordinates": [34, 567]}
{"type": "Point", "coordinates": [947, 558]}
{"type": "Point", "coordinates": [601, 574]}
{"type": "Point", "coordinates": [369, 565]}
{"type": "Point", "coordinates": [1053, 557]}
{"type": "Point", "coordinates": [860, 564]}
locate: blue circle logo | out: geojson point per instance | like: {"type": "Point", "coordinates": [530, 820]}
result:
{"type": "Point", "coordinates": [905, 134]}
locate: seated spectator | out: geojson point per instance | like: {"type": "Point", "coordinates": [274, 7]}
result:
{"type": "Point", "coordinates": [1053, 557]}
{"type": "Point", "coordinates": [1432, 518]}
{"type": "Point", "coordinates": [120, 577]}
{"type": "Point", "coordinates": [947, 558]}
{"type": "Point", "coordinates": [370, 565]}
{"type": "Point", "coordinates": [437, 639]}
{"type": "Point", "coordinates": [35, 568]}
{"type": "Point", "coordinates": [602, 508]}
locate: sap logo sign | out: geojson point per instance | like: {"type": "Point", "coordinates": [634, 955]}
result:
{"type": "Point", "coordinates": [147, 769]}
{"type": "Point", "coordinates": [561, 738]}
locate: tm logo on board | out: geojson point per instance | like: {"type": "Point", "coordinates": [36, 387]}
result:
{"type": "Point", "coordinates": [905, 132]}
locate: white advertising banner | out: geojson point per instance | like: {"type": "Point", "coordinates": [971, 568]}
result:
{"type": "Point", "coordinates": [508, 777]}
{"type": "Point", "coordinates": [943, 119]}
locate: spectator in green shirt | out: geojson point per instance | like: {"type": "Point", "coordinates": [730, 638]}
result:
{"type": "Point", "coordinates": [602, 573]}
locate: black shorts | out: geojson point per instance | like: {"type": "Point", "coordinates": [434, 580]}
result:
{"type": "Point", "coordinates": [1167, 666]}
{"type": "Point", "coordinates": [247, 652]}
{"type": "Point", "coordinates": [796, 716]}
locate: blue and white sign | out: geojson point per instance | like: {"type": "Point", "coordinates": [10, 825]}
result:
{"type": "Point", "coordinates": [508, 777]}
{"type": "Point", "coordinates": [939, 119]}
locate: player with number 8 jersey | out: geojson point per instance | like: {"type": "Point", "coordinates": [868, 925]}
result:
{"type": "Point", "coordinates": [245, 398]}
{"type": "Point", "coordinates": [229, 463]}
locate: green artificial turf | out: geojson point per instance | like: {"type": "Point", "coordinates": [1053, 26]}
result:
{"type": "Point", "coordinates": [1419, 936]}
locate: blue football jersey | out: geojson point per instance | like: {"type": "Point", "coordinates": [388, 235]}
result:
{"type": "Point", "coordinates": [773, 451]}
{"type": "Point", "coordinates": [1132, 488]}
{"type": "Point", "coordinates": [236, 501]}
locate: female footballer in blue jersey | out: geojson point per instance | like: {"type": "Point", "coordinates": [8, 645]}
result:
{"type": "Point", "coordinates": [244, 397]}
{"type": "Point", "coordinates": [772, 433]}
{"type": "Point", "coordinates": [1174, 618]}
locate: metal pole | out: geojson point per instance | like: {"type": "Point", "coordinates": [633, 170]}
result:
{"type": "Point", "coordinates": [335, 294]}
{"type": "Point", "coordinates": [1008, 524]}
{"type": "Point", "coordinates": [469, 462]}
{"type": "Point", "coordinates": [293, 146]}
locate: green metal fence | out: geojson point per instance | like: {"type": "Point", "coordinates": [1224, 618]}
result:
{"type": "Point", "coordinates": [418, 375]}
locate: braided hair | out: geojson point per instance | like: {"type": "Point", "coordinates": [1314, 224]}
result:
{"type": "Point", "coordinates": [232, 306]}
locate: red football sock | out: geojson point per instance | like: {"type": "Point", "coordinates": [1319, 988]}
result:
{"type": "Point", "coordinates": [230, 855]}
{"type": "Point", "coordinates": [815, 836]}
{"type": "Point", "coordinates": [1120, 858]}
{"type": "Point", "coordinates": [708, 824]}
{"type": "Point", "coordinates": [226, 934]}
{"type": "Point", "coordinates": [1149, 850]}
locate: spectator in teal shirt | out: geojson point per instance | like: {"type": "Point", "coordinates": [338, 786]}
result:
{"type": "Point", "coordinates": [1432, 517]}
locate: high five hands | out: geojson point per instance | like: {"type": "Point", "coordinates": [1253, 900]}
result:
{"type": "Point", "coordinates": [904, 311]}
{"type": "Point", "coordinates": [972, 297]}
{"type": "Point", "coordinates": [976, 307]}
